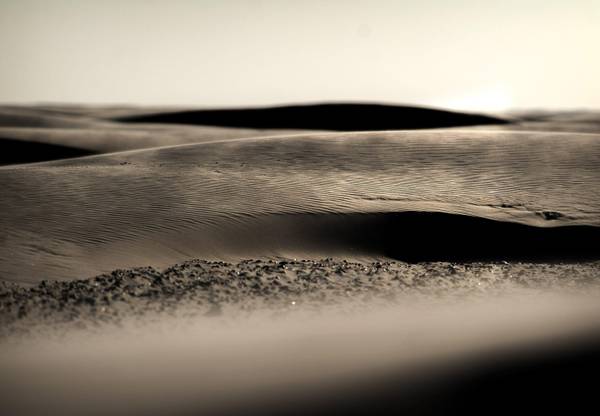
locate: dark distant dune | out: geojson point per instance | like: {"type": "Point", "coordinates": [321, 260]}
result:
{"type": "Point", "coordinates": [335, 117]}
{"type": "Point", "coordinates": [20, 151]}
{"type": "Point", "coordinates": [305, 196]}
{"type": "Point", "coordinates": [96, 129]}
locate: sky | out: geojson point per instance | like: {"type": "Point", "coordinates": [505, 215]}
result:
{"type": "Point", "coordinates": [484, 55]}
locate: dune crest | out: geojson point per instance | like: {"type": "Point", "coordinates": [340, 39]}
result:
{"type": "Point", "coordinates": [106, 129]}
{"type": "Point", "coordinates": [298, 196]}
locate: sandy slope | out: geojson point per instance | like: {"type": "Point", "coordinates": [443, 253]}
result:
{"type": "Point", "coordinates": [111, 129]}
{"type": "Point", "coordinates": [297, 337]}
{"type": "Point", "coordinates": [108, 139]}
{"type": "Point", "coordinates": [102, 129]}
{"type": "Point", "coordinates": [281, 196]}
{"type": "Point", "coordinates": [94, 130]}
{"type": "Point", "coordinates": [220, 288]}
{"type": "Point", "coordinates": [534, 351]}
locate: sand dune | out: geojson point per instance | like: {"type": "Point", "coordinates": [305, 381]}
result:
{"type": "Point", "coordinates": [23, 116]}
{"type": "Point", "coordinates": [23, 151]}
{"type": "Point", "coordinates": [94, 130]}
{"type": "Point", "coordinates": [337, 117]}
{"type": "Point", "coordinates": [111, 129]}
{"type": "Point", "coordinates": [567, 121]}
{"type": "Point", "coordinates": [308, 196]}
{"type": "Point", "coordinates": [116, 138]}
{"type": "Point", "coordinates": [515, 320]}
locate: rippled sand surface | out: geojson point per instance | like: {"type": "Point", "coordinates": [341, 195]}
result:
{"type": "Point", "coordinates": [281, 196]}
{"type": "Point", "coordinates": [430, 271]}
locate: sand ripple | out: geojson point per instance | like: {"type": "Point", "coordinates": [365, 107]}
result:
{"type": "Point", "coordinates": [282, 196]}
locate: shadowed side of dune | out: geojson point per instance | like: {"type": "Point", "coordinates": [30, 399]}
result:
{"type": "Point", "coordinates": [310, 196]}
{"type": "Point", "coordinates": [337, 117]}
{"type": "Point", "coordinates": [429, 236]}
{"type": "Point", "coordinates": [418, 237]}
{"type": "Point", "coordinates": [20, 151]}
{"type": "Point", "coordinates": [78, 251]}
{"type": "Point", "coordinates": [422, 236]}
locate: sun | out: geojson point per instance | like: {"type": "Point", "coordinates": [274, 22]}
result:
{"type": "Point", "coordinates": [495, 99]}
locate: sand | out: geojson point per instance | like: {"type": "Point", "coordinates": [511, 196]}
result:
{"type": "Point", "coordinates": [301, 196]}
{"type": "Point", "coordinates": [461, 263]}
{"type": "Point", "coordinates": [219, 288]}
{"type": "Point", "coordinates": [336, 117]}
{"type": "Point", "coordinates": [306, 337]}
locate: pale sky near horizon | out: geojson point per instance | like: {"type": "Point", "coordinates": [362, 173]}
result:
{"type": "Point", "coordinates": [462, 54]}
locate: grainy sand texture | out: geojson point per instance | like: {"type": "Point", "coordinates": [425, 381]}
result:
{"type": "Point", "coordinates": [310, 259]}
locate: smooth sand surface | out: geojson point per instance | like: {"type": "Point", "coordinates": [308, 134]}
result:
{"type": "Point", "coordinates": [531, 351]}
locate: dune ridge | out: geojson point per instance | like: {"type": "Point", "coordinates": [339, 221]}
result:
{"type": "Point", "coordinates": [335, 194]}
{"type": "Point", "coordinates": [105, 129]}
